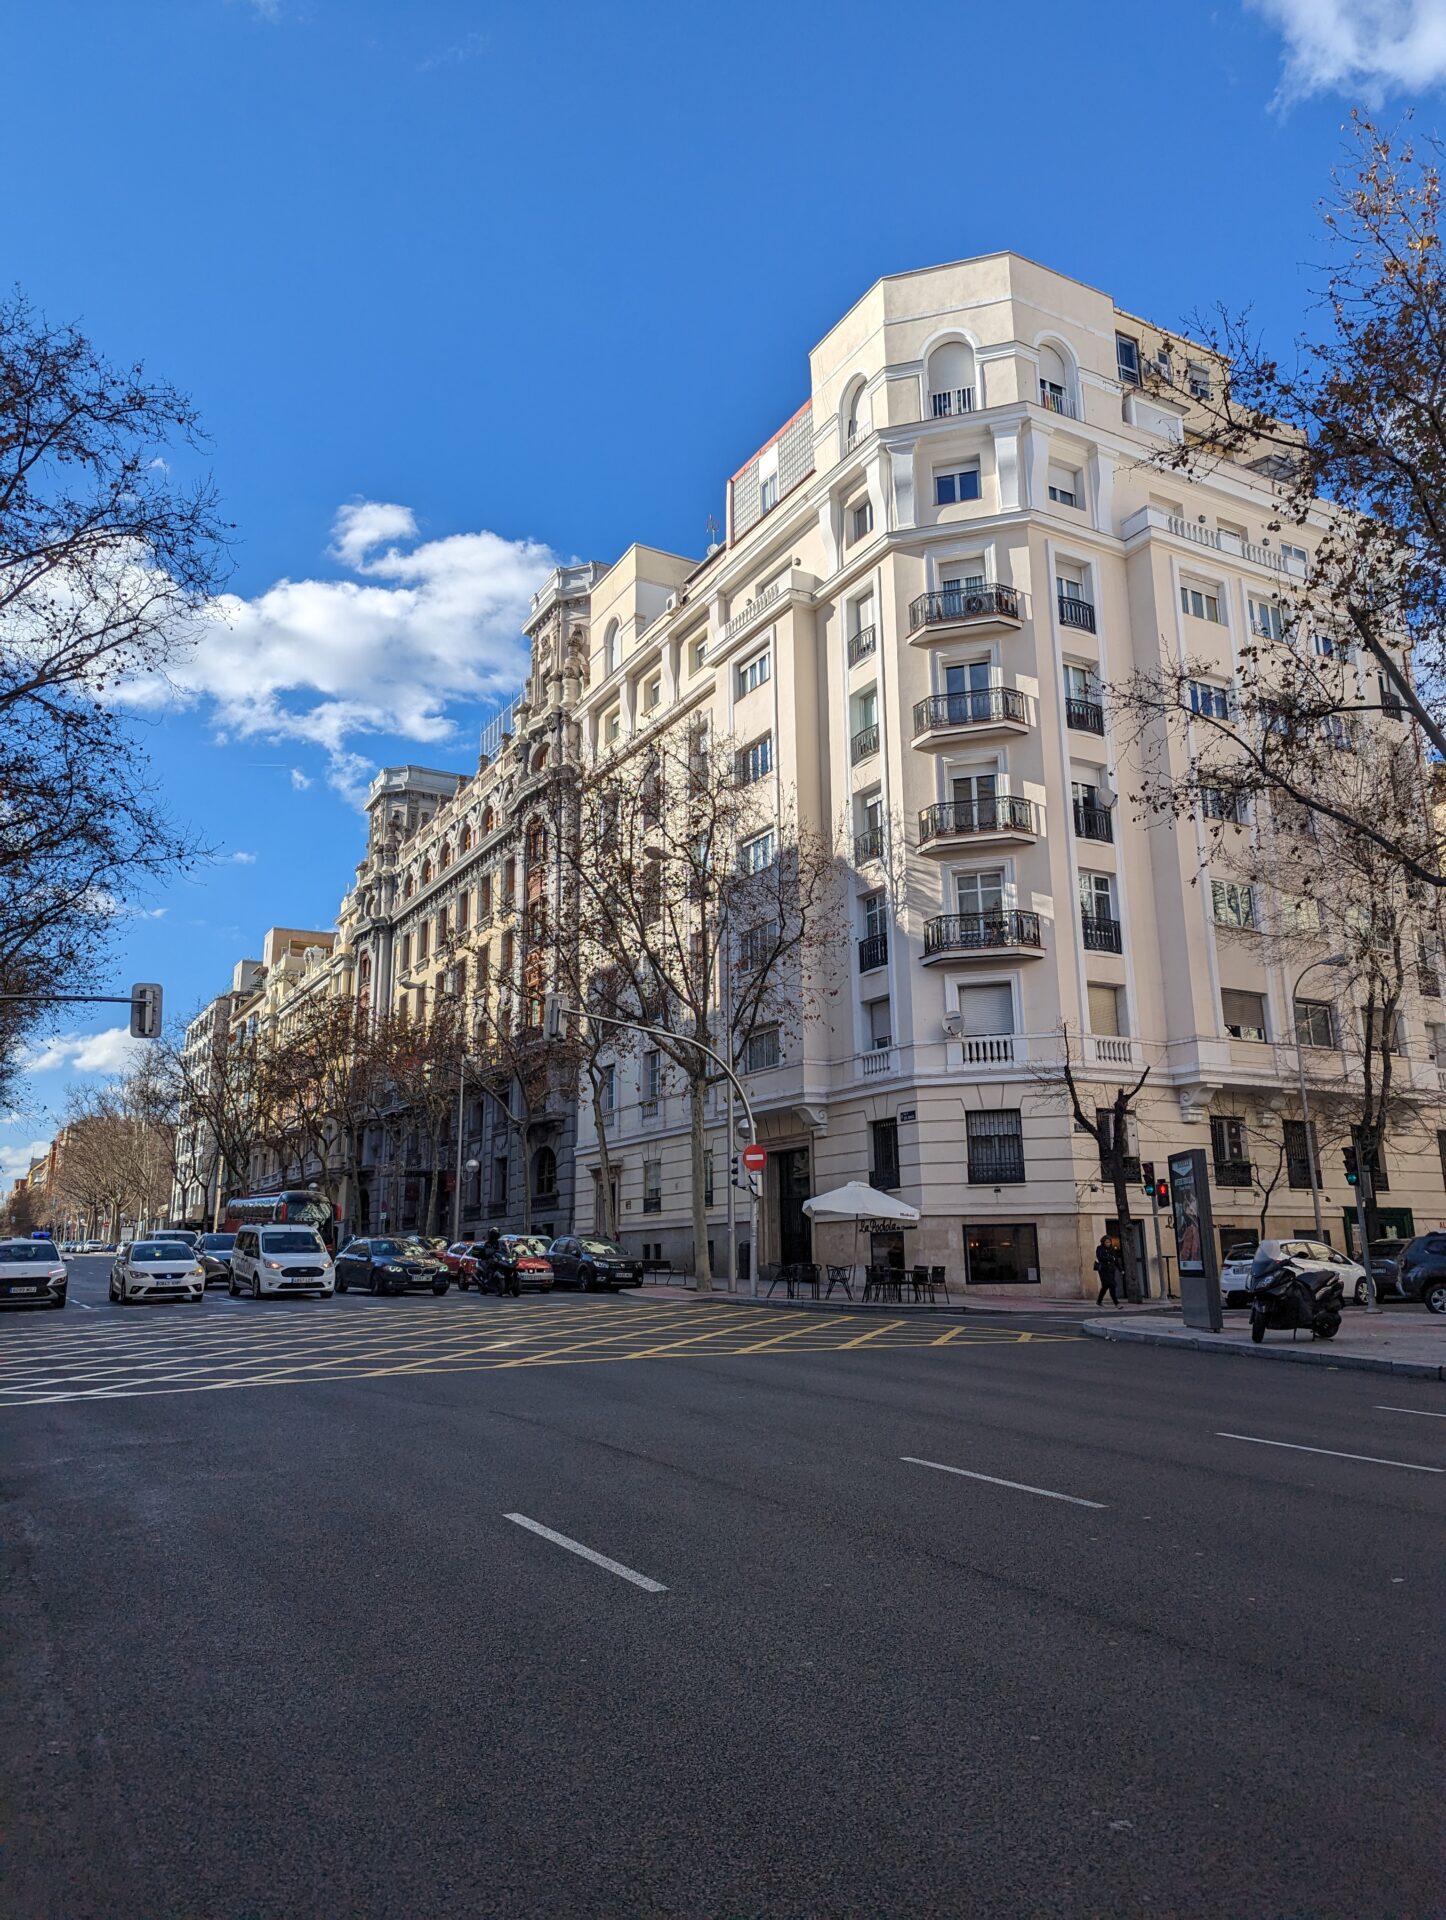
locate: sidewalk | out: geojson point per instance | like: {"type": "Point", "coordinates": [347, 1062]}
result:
{"type": "Point", "coordinates": [1411, 1342]}
{"type": "Point", "coordinates": [994, 1301]}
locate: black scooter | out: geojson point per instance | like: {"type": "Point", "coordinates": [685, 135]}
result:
{"type": "Point", "coordinates": [1285, 1295]}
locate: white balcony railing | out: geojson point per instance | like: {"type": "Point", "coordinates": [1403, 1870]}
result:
{"type": "Point", "coordinates": [951, 400]}
{"type": "Point", "coordinates": [877, 1062]}
{"type": "Point", "coordinates": [1214, 539]}
{"type": "Point", "coordinates": [991, 1049]}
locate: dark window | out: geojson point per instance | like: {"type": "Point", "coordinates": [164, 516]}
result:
{"type": "Point", "coordinates": [950, 488]}
{"type": "Point", "coordinates": [1300, 1148]}
{"type": "Point", "coordinates": [996, 1147]}
{"type": "Point", "coordinates": [885, 1139]}
{"type": "Point", "coordinates": [1001, 1256]}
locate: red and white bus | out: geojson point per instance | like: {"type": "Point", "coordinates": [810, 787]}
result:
{"type": "Point", "coordinates": [295, 1207]}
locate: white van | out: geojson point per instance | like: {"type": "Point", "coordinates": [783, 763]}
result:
{"type": "Point", "coordinates": [275, 1260]}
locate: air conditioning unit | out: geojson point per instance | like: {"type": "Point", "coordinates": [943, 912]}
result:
{"type": "Point", "coordinates": [670, 603]}
{"type": "Point", "coordinates": [954, 1025]}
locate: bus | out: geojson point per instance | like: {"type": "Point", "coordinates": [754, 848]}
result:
{"type": "Point", "coordinates": [295, 1207]}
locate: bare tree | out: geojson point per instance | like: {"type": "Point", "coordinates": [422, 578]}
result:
{"type": "Point", "coordinates": [706, 908]}
{"type": "Point", "coordinates": [1109, 1126]}
{"type": "Point", "coordinates": [105, 561]}
{"type": "Point", "coordinates": [1349, 435]}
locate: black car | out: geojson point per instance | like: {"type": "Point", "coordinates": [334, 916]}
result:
{"type": "Point", "coordinates": [589, 1264]}
{"type": "Point", "coordinates": [1421, 1274]}
{"type": "Point", "coordinates": [390, 1265]}
{"type": "Point", "coordinates": [214, 1253]}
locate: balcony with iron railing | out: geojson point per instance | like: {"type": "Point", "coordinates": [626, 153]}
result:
{"type": "Point", "coordinates": [996, 1166]}
{"type": "Point", "coordinates": [987, 605]}
{"type": "Point", "coordinates": [1077, 613]}
{"type": "Point", "coordinates": [873, 952]}
{"type": "Point", "coordinates": [1014, 929]}
{"type": "Point", "coordinates": [950, 401]}
{"type": "Point", "coordinates": [1055, 400]}
{"type": "Point", "coordinates": [1101, 934]}
{"type": "Point", "coordinates": [862, 644]}
{"type": "Point", "coordinates": [1298, 1172]}
{"type": "Point", "coordinates": [864, 744]}
{"type": "Point", "coordinates": [941, 717]}
{"type": "Point", "coordinates": [1007, 816]}
{"type": "Point", "coordinates": [1085, 716]}
{"type": "Point", "coordinates": [1093, 823]}
{"type": "Point", "coordinates": [868, 845]}
{"type": "Point", "coordinates": [1234, 1173]}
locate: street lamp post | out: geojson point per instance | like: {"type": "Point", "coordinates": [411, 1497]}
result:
{"type": "Point", "coordinates": [1332, 960]}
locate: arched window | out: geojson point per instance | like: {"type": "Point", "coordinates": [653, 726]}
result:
{"type": "Point", "coordinates": [1055, 385]}
{"type": "Point", "coordinates": [410, 888]}
{"type": "Point", "coordinates": [544, 1172]}
{"type": "Point", "coordinates": [536, 844]}
{"type": "Point", "coordinates": [610, 648]}
{"type": "Point", "coordinates": [857, 416]}
{"type": "Point", "coordinates": [539, 760]}
{"type": "Point", "coordinates": [951, 379]}
{"type": "Point", "coordinates": [464, 842]}
{"type": "Point", "coordinates": [489, 819]}
{"type": "Point", "coordinates": [426, 872]}
{"type": "Point", "coordinates": [445, 856]}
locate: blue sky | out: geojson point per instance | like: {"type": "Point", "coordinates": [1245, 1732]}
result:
{"type": "Point", "coordinates": [461, 288]}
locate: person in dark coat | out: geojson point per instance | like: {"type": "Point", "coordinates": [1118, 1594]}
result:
{"type": "Point", "coordinates": [1109, 1265]}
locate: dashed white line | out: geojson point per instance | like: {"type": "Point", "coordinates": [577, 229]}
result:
{"type": "Point", "coordinates": [586, 1553]}
{"type": "Point", "coordinates": [1017, 1486]}
{"type": "Point", "coordinates": [1424, 1412]}
{"type": "Point", "coordinates": [1371, 1459]}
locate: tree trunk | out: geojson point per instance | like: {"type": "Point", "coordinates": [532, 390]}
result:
{"type": "Point", "coordinates": [609, 1222]}
{"type": "Point", "coordinates": [1134, 1288]}
{"type": "Point", "coordinates": [702, 1267]}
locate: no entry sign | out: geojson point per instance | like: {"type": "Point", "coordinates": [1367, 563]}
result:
{"type": "Point", "coordinates": [755, 1159]}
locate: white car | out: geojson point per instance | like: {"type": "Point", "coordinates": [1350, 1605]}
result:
{"type": "Point", "coordinates": [32, 1274]}
{"type": "Point", "coordinates": [156, 1270]}
{"type": "Point", "coordinates": [1235, 1274]}
{"type": "Point", "coordinates": [276, 1260]}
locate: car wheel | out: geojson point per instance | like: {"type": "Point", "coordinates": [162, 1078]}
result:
{"type": "Point", "coordinates": [60, 1302]}
{"type": "Point", "coordinates": [112, 1286]}
{"type": "Point", "coordinates": [256, 1286]}
{"type": "Point", "coordinates": [232, 1288]}
{"type": "Point", "coordinates": [440, 1286]}
{"type": "Point", "coordinates": [1360, 1296]}
{"type": "Point", "coordinates": [1434, 1296]}
{"type": "Point", "coordinates": [584, 1280]}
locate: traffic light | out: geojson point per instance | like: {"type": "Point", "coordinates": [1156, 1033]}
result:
{"type": "Point", "coordinates": [1147, 1176]}
{"type": "Point", "coordinates": [146, 1011]}
{"type": "Point", "coordinates": [1162, 1193]}
{"type": "Point", "coordinates": [1352, 1166]}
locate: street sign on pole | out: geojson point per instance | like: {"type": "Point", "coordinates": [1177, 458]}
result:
{"type": "Point", "coordinates": [754, 1158]}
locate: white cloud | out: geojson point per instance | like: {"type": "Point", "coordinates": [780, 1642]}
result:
{"type": "Point", "coordinates": [300, 780]}
{"type": "Point", "coordinates": [16, 1160]}
{"type": "Point", "coordinates": [240, 859]}
{"type": "Point", "coordinates": [112, 1051]}
{"type": "Point", "coordinates": [1366, 47]}
{"type": "Point", "coordinates": [426, 625]}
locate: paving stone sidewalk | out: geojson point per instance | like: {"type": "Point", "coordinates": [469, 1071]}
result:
{"type": "Point", "coordinates": [1409, 1342]}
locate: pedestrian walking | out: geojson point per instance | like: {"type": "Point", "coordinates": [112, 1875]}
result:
{"type": "Point", "coordinates": [1109, 1265]}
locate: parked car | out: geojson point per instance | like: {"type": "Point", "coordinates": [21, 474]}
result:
{"type": "Point", "coordinates": [183, 1235]}
{"type": "Point", "coordinates": [589, 1264]}
{"type": "Point", "coordinates": [1235, 1274]}
{"type": "Point", "coordinates": [460, 1261]}
{"type": "Point", "coordinates": [1421, 1274]}
{"type": "Point", "coordinates": [216, 1250]}
{"type": "Point", "coordinates": [1385, 1265]}
{"type": "Point", "coordinates": [156, 1270]}
{"type": "Point", "coordinates": [32, 1274]}
{"type": "Point", "coordinates": [280, 1260]}
{"type": "Point", "coordinates": [1235, 1280]}
{"type": "Point", "coordinates": [390, 1266]}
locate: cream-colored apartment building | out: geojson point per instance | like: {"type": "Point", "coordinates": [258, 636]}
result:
{"type": "Point", "coordinates": [929, 573]}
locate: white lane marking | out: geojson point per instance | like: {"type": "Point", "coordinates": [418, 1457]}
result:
{"type": "Point", "coordinates": [1017, 1485]}
{"type": "Point", "coordinates": [83, 1307]}
{"type": "Point", "coordinates": [1292, 1446]}
{"type": "Point", "coordinates": [1424, 1412]}
{"type": "Point", "coordinates": [586, 1553]}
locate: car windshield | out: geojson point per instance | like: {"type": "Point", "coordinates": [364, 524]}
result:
{"type": "Point", "coordinates": [604, 1247]}
{"type": "Point", "coordinates": [148, 1250]}
{"type": "Point", "coordinates": [531, 1243]}
{"type": "Point", "coordinates": [25, 1252]}
{"type": "Point", "coordinates": [391, 1249]}
{"type": "Point", "coordinates": [218, 1242]}
{"type": "Point", "coordinates": [297, 1240]}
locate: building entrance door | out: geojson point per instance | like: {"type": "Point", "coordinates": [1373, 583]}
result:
{"type": "Point", "coordinates": [795, 1232]}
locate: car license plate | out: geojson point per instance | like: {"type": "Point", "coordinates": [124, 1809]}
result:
{"type": "Point", "coordinates": [23, 1289]}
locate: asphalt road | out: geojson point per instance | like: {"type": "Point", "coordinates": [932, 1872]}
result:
{"type": "Point", "coordinates": [280, 1636]}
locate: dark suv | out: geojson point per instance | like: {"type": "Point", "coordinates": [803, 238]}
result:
{"type": "Point", "coordinates": [1421, 1274]}
{"type": "Point", "coordinates": [587, 1264]}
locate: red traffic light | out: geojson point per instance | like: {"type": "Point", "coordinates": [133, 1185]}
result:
{"type": "Point", "coordinates": [1162, 1193]}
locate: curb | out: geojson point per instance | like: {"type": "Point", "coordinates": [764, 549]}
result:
{"type": "Point", "coordinates": [1312, 1356]}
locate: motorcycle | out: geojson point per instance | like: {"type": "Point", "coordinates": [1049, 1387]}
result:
{"type": "Point", "coordinates": [1285, 1295]}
